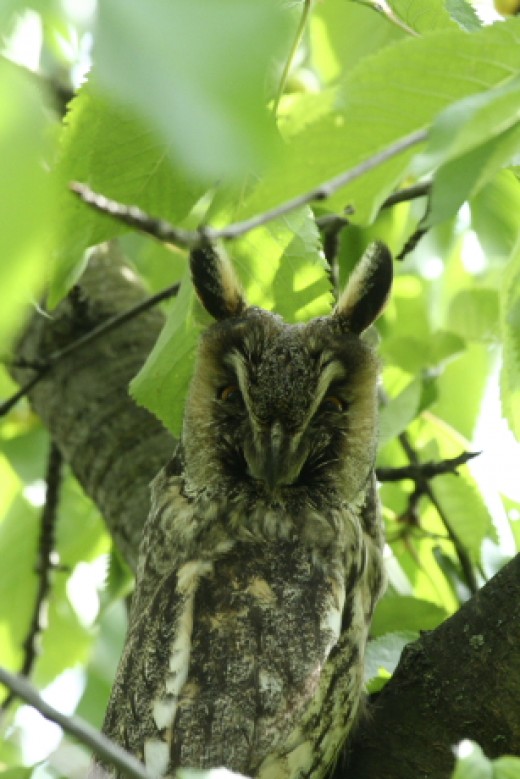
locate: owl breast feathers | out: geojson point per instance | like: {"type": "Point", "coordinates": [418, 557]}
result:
{"type": "Point", "coordinates": [261, 558]}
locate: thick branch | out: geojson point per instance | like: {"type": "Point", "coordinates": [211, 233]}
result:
{"type": "Point", "coordinates": [459, 681]}
{"type": "Point", "coordinates": [113, 446]}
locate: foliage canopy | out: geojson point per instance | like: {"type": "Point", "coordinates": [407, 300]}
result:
{"type": "Point", "coordinates": [186, 114]}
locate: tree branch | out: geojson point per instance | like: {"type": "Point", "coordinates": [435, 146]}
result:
{"type": "Point", "coordinates": [418, 471]}
{"type": "Point", "coordinates": [425, 488]}
{"type": "Point", "coordinates": [461, 680]}
{"type": "Point", "coordinates": [104, 748]}
{"type": "Point", "coordinates": [164, 231]}
{"type": "Point", "coordinates": [44, 565]}
{"type": "Point", "coordinates": [43, 366]}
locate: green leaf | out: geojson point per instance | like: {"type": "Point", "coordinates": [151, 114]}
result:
{"type": "Point", "coordinates": [367, 32]}
{"type": "Point", "coordinates": [424, 18]}
{"type": "Point", "coordinates": [471, 122]}
{"type": "Point", "coordinates": [26, 195]}
{"type": "Point", "coordinates": [464, 14]}
{"type": "Point", "coordinates": [162, 383]}
{"type": "Point", "coordinates": [414, 354]}
{"type": "Point", "coordinates": [18, 543]}
{"type": "Point", "coordinates": [382, 656]}
{"type": "Point", "coordinates": [510, 329]}
{"type": "Point", "coordinates": [471, 139]}
{"type": "Point", "coordinates": [474, 315]}
{"type": "Point", "coordinates": [280, 266]}
{"type": "Point", "coordinates": [461, 387]}
{"type": "Point", "coordinates": [399, 412]}
{"type": "Point", "coordinates": [122, 159]}
{"type": "Point", "coordinates": [495, 215]}
{"type": "Point", "coordinates": [369, 115]}
{"type": "Point", "coordinates": [405, 613]}
{"type": "Point", "coordinates": [199, 79]}
{"type": "Point", "coordinates": [506, 767]}
{"type": "Point", "coordinates": [461, 178]}
{"type": "Point", "coordinates": [465, 509]}
{"type": "Point", "coordinates": [472, 762]}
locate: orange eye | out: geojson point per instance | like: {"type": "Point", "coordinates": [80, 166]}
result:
{"type": "Point", "coordinates": [333, 403]}
{"type": "Point", "coordinates": [231, 392]}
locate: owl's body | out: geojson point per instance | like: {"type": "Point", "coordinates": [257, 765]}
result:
{"type": "Point", "coordinates": [261, 560]}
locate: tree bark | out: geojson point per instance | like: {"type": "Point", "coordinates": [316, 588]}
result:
{"type": "Point", "coordinates": [113, 446]}
{"type": "Point", "coordinates": [461, 680]}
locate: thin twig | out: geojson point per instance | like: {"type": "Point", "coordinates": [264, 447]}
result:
{"type": "Point", "coordinates": [101, 330]}
{"type": "Point", "coordinates": [166, 232]}
{"type": "Point", "coordinates": [407, 193]}
{"type": "Point", "coordinates": [133, 216]}
{"type": "Point", "coordinates": [425, 487]}
{"type": "Point", "coordinates": [420, 471]}
{"type": "Point", "coordinates": [44, 565]}
{"type": "Point", "coordinates": [294, 48]}
{"type": "Point", "coordinates": [101, 746]}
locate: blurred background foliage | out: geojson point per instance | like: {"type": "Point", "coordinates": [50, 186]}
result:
{"type": "Point", "coordinates": [183, 94]}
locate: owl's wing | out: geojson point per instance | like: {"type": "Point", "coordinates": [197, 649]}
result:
{"type": "Point", "coordinates": [264, 622]}
{"type": "Point", "coordinates": [129, 720]}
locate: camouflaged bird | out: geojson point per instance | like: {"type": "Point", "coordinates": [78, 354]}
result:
{"type": "Point", "coordinates": [261, 560]}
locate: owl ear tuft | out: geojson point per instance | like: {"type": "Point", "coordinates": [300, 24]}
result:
{"type": "Point", "coordinates": [367, 290]}
{"type": "Point", "coordinates": [216, 282]}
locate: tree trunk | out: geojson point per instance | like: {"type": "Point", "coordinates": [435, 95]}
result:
{"type": "Point", "coordinates": [461, 680]}
{"type": "Point", "coordinates": [113, 446]}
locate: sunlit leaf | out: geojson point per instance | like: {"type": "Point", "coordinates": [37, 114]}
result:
{"type": "Point", "coordinates": [474, 313]}
{"type": "Point", "coordinates": [464, 14]}
{"type": "Point", "coordinates": [425, 74]}
{"type": "Point", "coordinates": [472, 762]}
{"type": "Point", "coordinates": [510, 327]}
{"type": "Point", "coordinates": [399, 412]}
{"type": "Point", "coordinates": [495, 215]}
{"type": "Point", "coordinates": [120, 158]}
{"type": "Point", "coordinates": [423, 17]}
{"type": "Point", "coordinates": [405, 613]}
{"type": "Point", "coordinates": [26, 195]}
{"type": "Point", "coordinates": [465, 510]}
{"type": "Point", "coordinates": [202, 85]}
{"type": "Point", "coordinates": [471, 122]}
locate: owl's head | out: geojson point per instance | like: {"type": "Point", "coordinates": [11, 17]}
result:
{"type": "Point", "coordinates": [280, 409]}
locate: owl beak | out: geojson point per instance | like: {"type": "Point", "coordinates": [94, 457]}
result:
{"type": "Point", "coordinates": [273, 466]}
{"type": "Point", "coordinates": [275, 455]}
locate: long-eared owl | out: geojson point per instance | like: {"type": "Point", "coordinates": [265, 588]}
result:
{"type": "Point", "coordinates": [261, 559]}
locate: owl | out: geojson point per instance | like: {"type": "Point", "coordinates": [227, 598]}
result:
{"type": "Point", "coordinates": [261, 560]}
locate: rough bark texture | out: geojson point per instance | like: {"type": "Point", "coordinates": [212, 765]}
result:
{"type": "Point", "coordinates": [113, 446]}
{"type": "Point", "coordinates": [459, 681]}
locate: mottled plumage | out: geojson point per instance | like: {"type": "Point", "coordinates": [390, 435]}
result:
{"type": "Point", "coordinates": [261, 559]}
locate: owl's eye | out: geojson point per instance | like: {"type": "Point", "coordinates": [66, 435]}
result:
{"type": "Point", "coordinates": [333, 403]}
{"type": "Point", "coordinates": [230, 392]}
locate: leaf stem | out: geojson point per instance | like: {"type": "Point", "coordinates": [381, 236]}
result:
{"type": "Point", "coordinates": [292, 53]}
